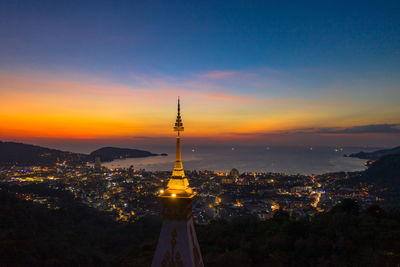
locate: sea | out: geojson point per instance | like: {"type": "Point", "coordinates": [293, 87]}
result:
{"type": "Point", "coordinates": [305, 160]}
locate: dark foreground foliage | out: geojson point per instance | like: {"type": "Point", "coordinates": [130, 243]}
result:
{"type": "Point", "coordinates": [344, 236]}
{"type": "Point", "coordinates": [32, 235]}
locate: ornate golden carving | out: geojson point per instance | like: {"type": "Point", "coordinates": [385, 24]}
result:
{"type": "Point", "coordinates": [172, 259]}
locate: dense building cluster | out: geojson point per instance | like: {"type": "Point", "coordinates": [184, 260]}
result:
{"type": "Point", "coordinates": [129, 194]}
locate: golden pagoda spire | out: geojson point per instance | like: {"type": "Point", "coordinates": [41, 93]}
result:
{"type": "Point", "coordinates": [178, 185]}
{"type": "Point", "coordinates": [177, 245]}
{"type": "Point", "coordinates": [178, 124]}
{"type": "Point", "coordinates": [178, 167]}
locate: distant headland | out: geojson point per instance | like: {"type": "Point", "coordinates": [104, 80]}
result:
{"type": "Point", "coordinates": [376, 154]}
{"type": "Point", "coordinates": [112, 153]}
{"type": "Point", "coordinates": [12, 153]}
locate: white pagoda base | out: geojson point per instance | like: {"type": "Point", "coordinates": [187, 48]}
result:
{"type": "Point", "coordinates": [177, 245]}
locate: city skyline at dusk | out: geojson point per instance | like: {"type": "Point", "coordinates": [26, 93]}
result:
{"type": "Point", "coordinates": [312, 74]}
{"type": "Point", "coordinates": [199, 133]}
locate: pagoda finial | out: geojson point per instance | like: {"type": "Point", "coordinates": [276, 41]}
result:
{"type": "Point", "coordinates": [178, 124]}
{"type": "Point", "coordinates": [178, 184]}
{"type": "Point", "coordinates": [179, 107]}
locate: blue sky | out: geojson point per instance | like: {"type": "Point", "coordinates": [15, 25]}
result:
{"type": "Point", "coordinates": [184, 36]}
{"type": "Point", "coordinates": [344, 53]}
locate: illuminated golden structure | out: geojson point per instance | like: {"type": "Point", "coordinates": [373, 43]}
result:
{"type": "Point", "coordinates": [178, 185]}
{"type": "Point", "coordinates": [177, 245]}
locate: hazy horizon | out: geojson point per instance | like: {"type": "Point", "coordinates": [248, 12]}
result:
{"type": "Point", "coordinates": [89, 146]}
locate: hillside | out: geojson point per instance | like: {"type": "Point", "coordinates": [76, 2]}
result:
{"type": "Point", "coordinates": [74, 235]}
{"type": "Point", "coordinates": [20, 154]}
{"type": "Point", "coordinates": [384, 174]}
{"type": "Point", "coordinates": [376, 154]}
{"type": "Point", "coordinates": [32, 235]}
{"type": "Point", "coordinates": [12, 153]}
{"type": "Point", "coordinates": [385, 171]}
{"type": "Point", "coordinates": [382, 178]}
{"type": "Point", "coordinates": [112, 153]}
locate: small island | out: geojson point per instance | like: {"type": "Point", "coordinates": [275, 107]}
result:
{"type": "Point", "coordinates": [112, 153]}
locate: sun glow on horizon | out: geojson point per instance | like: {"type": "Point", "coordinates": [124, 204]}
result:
{"type": "Point", "coordinates": [56, 108]}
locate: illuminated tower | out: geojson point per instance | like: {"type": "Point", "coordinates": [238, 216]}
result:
{"type": "Point", "coordinates": [177, 245]}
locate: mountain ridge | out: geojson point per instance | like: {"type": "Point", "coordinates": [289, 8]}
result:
{"type": "Point", "coordinates": [14, 153]}
{"type": "Point", "coordinates": [111, 153]}
{"type": "Point", "coordinates": [375, 154]}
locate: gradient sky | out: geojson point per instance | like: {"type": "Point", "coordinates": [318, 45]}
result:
{"type": "Point", "coordinates": [262, 72]}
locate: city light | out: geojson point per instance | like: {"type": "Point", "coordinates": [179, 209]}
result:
{"type": "Point", "coordinates": [290, 154]}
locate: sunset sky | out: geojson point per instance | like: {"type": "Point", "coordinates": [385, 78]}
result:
{"type": "Point", "coordinates": [262, 72]}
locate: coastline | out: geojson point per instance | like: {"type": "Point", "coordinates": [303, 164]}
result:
{"type": "Point", "coordinates": [289, 160]}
